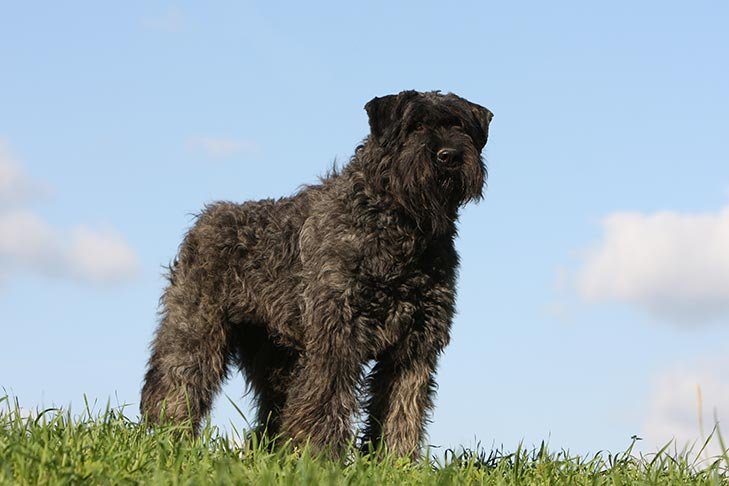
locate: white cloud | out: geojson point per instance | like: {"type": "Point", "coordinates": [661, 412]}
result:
{"type": "Point", "coordinates": [27, 242]}
{"type": "Point", "coordinates": [673, 265]}
{"type": "Point", "coordinates": [218, 147]}
{"type": "Point", "coordinates": [676, 410]}
{"type": "Point", "coordinates": [30, 243]}
{"type": "Point", "coordinates": [16, 186]}
{"type": "Point", "coordinates": [101, 256]}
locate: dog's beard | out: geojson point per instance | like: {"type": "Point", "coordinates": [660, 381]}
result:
{"type": "Point", "coordinates": [431, 194]}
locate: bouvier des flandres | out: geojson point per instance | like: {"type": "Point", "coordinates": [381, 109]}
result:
{"type": "Point", "coordinates": [301, 293]}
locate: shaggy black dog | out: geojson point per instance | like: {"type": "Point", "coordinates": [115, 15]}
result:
{"type": "Point", "coordinates": [301, 293]}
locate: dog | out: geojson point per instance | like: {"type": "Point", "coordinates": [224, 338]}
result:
{"type": "Point", "coordinates": [302, 293]}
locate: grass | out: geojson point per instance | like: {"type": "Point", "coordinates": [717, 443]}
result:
{"type": "Point", "coordinates": [105, 447]}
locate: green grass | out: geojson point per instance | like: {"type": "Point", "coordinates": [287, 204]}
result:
{"type": "Point", "coordinates": [105, 447]}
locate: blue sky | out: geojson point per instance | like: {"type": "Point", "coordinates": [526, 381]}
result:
{"type": "Point", "coordinates": [594, 289]}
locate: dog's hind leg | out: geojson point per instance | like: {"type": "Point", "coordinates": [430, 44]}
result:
{"type": "Point", "coordinates": [190, 355]}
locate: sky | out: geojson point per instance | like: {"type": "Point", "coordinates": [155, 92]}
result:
{"type": "Point", "coordinates": [593, 300]}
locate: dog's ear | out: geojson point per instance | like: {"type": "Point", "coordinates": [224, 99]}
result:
{"type": "Point", "coordinates": [483, 118]}
{"type": "Point", "coordinates": [384, 111]}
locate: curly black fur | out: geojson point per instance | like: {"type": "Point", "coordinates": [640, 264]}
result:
{"type": "Point", "coordinates": [300, 293]}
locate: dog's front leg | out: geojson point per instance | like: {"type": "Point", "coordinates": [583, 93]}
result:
{"type": "Point", "coordinates": [322, 400]}
{"type": "Point", "coordinates": [402, 385]}
{"type": "Point", "coordinates": [401, 394]}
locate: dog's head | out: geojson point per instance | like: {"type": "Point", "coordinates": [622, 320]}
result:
{"type": "Point", "coordinates": [429, 148]}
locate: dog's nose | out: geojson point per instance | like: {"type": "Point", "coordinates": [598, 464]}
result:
{"type": "Point", "coordinates": [446, 155]}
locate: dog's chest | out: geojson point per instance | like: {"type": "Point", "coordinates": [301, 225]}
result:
{"type": "Point", "coordinates": [390, 285]}
{"type": "Point", "coordinates": [386, 310]}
